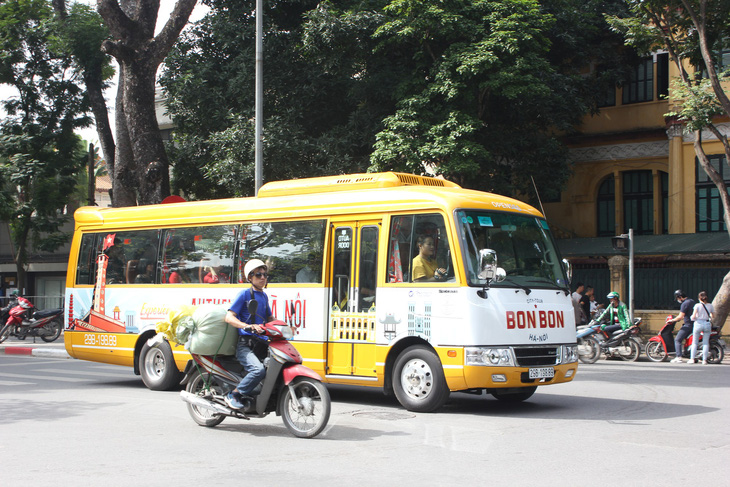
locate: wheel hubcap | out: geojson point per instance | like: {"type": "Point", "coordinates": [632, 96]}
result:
{"type": "Point", "coordinates": [155, 363]}
{"type": "Point", "coordinates": [417, 379]}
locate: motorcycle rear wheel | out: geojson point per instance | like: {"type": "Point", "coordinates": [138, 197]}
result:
{"type": "Point", "coordinates": [204, 417]}
{"type": "Point", "coordinates": [589, 350]}
{"type": "Point", "coordinates": [54, 329]}
{"type": "Point", "coordinates": [629, 350]}
{"type": "Point", "coordinates": [307, 412]}
{"type": "Point", "coordinates": [655, 351]}
{"type": "Point", "coordinates": [717, 353]}
{"type": "Point", "coordinates": [5, 333]}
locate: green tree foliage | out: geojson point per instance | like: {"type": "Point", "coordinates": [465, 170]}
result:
{"type": "Point", "coordinates": [39, 153]}
{"type": "Point", "coordinates": [492, 85]}
{"type": "Point", "coordinates": [478, 91]}
{"type": "Point", "coordinates": [319, 117]}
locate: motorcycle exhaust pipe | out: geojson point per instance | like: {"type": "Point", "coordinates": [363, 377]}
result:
{"type": "Point", "coordinates": [198, 401]}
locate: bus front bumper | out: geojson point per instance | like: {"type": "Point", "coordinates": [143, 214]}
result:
{"type": "Point", "coordinates": [489, 377]}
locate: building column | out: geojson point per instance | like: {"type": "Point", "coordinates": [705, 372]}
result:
{"type": "Point", "coordinates": [676, 176]}
{"type": "Point", "coordinates": [657, 192]}
{"type": "Point", "coordinates": [617, 266]}
{"type": "Point", "coordinates": [618, 196]}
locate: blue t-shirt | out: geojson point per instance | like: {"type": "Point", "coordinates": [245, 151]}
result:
{"type": "Point", "coordinates": [240, 307]}
{"type": "Point", "coordinates": [688, 305]}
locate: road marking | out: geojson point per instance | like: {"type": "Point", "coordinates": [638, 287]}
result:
{"type": "Point", "coordinates": [11, 383]}
{"type": "Point", "coordinates": [42, 377]}
{"type": "Point", "coordinates": [79, 372]}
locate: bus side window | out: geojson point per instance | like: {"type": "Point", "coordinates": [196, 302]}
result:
{"type": "Point", "coordinates": [86, 270]}
{"type": "Point", "coordinates": [293, 250]}
{"type": "Point", "coordinates": [399, 248]}
{"type": "Point", "coordinates": [430, 248]}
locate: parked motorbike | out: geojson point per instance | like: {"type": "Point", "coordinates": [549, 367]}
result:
{"type": "Point", "coordinates": [623, 344]}
{"type": "Point", "coordinates": [290, 389]}
{"type": "Point", "coordinates": [46, 324]}
{"type": "Point", "coordinates": [589, 349]}
{"type": "Point", "coordinates": [659, 347]}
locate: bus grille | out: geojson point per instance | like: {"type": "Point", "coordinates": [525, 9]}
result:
{"type": "Point", "coordinates": [536, 356]}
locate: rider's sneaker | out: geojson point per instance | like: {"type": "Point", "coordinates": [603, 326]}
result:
{"type": "Point", "coordinates": [233, 401]}
{"type": "Point", "coordinates": [677, 360]}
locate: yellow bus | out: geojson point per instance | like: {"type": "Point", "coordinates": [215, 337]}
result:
{"type": "Point", "coordinates": [407, 283]}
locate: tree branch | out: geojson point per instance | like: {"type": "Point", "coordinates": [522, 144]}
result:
{"type": "Point", "coordinates": [116, 20]}
{"type": "Point", "coordinates": [179, 17]}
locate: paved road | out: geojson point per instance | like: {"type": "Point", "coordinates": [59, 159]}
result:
{"type": "Point", "coordinates": [616, 424]}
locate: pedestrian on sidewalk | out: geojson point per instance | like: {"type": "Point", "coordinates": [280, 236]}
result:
{"type": "Point", "coordinates": [702, 316]}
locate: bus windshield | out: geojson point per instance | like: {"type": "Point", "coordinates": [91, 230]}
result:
{"type": "Point", "coordinates": [524, 247]}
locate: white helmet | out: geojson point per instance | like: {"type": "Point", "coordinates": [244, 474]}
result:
{"type": "Point", "coordinates": [252, 265]}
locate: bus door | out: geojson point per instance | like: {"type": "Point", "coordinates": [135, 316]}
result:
{"type": "Point", "coordinates": [351, 331]}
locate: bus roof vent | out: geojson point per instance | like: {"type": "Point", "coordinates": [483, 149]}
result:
{"type": "Point", "coordinates": [350, 182]}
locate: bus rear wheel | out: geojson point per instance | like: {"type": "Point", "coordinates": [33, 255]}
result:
{"type": "Point", "coordinates": [157, 367]}
{"type": "Point", "coordinates": [418, 380]}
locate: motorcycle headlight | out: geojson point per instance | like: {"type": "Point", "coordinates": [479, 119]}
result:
{"type": "Point", "coordinates": [286, 331]}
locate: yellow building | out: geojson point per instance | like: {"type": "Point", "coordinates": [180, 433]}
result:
{"type": "Point", "coordinates": [633, 167]}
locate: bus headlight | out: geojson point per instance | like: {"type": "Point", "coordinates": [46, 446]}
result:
{"type": "Point", "coordinates": [488, 356]}
{"type": "Point", "coordinates": [570, 354]}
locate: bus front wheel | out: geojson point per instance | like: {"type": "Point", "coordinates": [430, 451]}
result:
{"type": "Point", "coordinates": [157, 367]}
{"type": "Point", "coordinates": [418, 380]}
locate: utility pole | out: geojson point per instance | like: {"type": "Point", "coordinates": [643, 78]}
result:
{"type": "Point", "coordinates": [259, 108]}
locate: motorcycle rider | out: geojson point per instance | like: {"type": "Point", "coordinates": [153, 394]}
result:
{"type": "Point", "coordinates": [685, 312]}
{"type": "Point", "coordinates": [5, 312]}
{"type": "Point", "coordinates": [618, 314]}
{"type": "Point", "coordinates": [238, 315]}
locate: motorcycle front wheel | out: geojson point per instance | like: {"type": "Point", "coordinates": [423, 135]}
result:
{"type": "Point", "coordinates": [197, 385]}
{"type": "Point", "coordinates": [305, 407]}
{"type": "Point", "coordinates": [629, 350]}
{"type": "Point", "coordinates": [52, 330]}
{"type": "Point", "coordinates": [5, 333]}
{"type": "Point", "coordinates": [655, 351]}
{"type": "Point", "coordinates": [589, 350]}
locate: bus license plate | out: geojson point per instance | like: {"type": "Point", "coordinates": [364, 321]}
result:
{"type": "Point", "coordinates": [542, 373]}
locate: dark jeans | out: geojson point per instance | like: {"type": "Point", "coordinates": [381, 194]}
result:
{"type": "Point", "coordinates": [683, 333]}
{"type": "Point", "coordinates": [255, 371]}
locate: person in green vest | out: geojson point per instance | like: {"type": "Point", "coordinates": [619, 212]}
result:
{"type": "Point", "coordinates": [618, 314]}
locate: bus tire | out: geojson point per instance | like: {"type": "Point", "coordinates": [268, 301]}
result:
{"type": "Point", "coordinates": [418, 380]}
{"type": "Point", "coordinates": [157, 367]}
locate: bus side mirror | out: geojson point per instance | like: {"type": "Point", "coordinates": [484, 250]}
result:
{"type": "Point", "coordinates": [488, 269]}
{"type": "Point", "coordinates": [568, 270]}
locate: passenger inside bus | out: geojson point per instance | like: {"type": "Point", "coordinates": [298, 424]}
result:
{"type": "Point", "coordinates": [425, 267]}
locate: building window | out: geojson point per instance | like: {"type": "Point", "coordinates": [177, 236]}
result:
{"type": "Point", "coordinates": [709, 206]}
{"type": "Point", "coordinates": [640, 87]}
{"type": "Point", "coordinates": [606, 208]}
{"type": "Point", "coordinates": [638, 197]}
{"type": "Point", "coordinates": [665, 201]}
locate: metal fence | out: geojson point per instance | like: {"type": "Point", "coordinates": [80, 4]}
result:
{"type": "Point", "coordinates": [655, 286]}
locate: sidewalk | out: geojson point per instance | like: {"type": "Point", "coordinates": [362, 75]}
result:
{"type": "Point", "coordinates": [13, 346]}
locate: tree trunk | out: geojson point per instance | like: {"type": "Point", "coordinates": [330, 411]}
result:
{"type": "Point", "coordinates": [139, 54]}
{"type": "Point", "coordinates": [147, 146]}
{"type": "Point", "coordinates": [124, 180]}
{"type": "Point", "coordinates": [721, 303]}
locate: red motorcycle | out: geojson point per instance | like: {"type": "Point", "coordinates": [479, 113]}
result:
{"type": "Point", "coordinates": [290, 389]}
{"type": "Point", "coordinates": [659, 347]}
{"type": "Point", "coordinates": [46, 324]}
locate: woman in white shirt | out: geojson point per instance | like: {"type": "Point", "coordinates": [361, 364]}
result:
{"type": "Point", "coordinates": [701, 315]}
